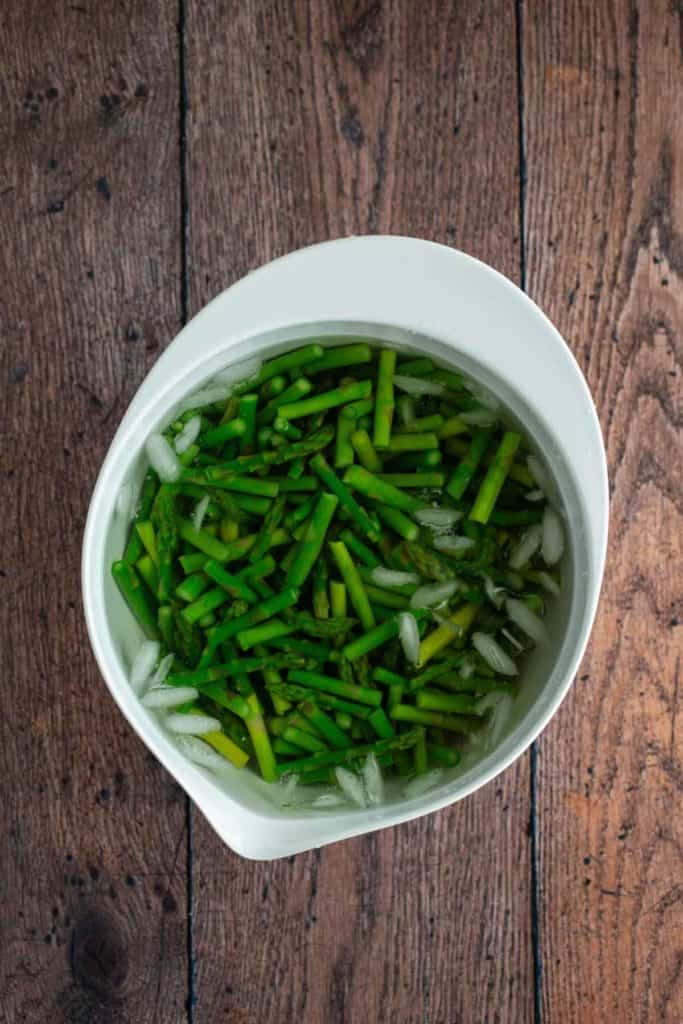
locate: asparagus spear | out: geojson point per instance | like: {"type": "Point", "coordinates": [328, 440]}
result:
{"type": "Point", "coordinates": [405, 741]}
{"type": "Point", "coordinates": [310, 546]}
{"type": "Point", "coordinates": [328, 684]}
{"type": "Point", "coordinates": [367, 524]}
{"type": "Point", "coordinates": [354, 583]}
{"type": "Point", "coordinates": [342, 355]}
{"type": "Point", "coordinates": [453, 629]}
{"type": "Point", "coordinates": [462, 477]}
{"type": "Point", "coordinates": [327, 400]}
{"type": "Point", "coordinates": [365, 450]}
{"type": "Point", "coordinates": [359, 479]}
{"type": "Point", "coordinates": [451, 723]}
{"type": "Point", "coordinates": [495, 477]}
{"type": "Point", "coordinates": [384, 401]}
{"type": "Point", "coordinates": [136, 597]}
{"type": "Point", "coordinates": [304, 356]}
{"type": "Point", "coordinates": [134, 547]}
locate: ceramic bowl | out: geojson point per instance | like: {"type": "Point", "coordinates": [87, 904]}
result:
{"type": "Point", "coordinates": [420, 297]}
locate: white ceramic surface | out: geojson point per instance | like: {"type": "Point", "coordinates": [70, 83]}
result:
{"type": "Point", "coordinates": [414, 295]}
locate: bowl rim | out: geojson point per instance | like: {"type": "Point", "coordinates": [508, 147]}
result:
{"type": "Point", "coordinates": [198, 785]}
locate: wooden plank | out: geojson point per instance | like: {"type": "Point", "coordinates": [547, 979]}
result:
{"type": "Point", "coordinates": [92, 881]}
{"type": "Point", "coordinates": [603, 86]}
{"type": "Point", "coordinates": [308, 121]}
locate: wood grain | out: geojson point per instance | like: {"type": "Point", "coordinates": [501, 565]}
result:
{"type": "Point", "coordinates": [308, 121]}
{"type": "Point", "coordinates": [603, 86]}
{"type": "Point", "coordinates": [92, 879]}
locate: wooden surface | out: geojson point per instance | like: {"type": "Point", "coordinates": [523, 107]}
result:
{"type": "Point", "coordinates": [604, 232]}
{"type": "Point", "coordinates": [152, 155]}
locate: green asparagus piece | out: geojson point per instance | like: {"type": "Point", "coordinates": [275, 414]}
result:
{"type": "Point", "coordinates": [203, 541]}
{"type": "Point", "coordinates": [381, 724]}
{"type": "Point", "coordinates": [321, 598]}
{"type": "Point", "coordinates": [310, 546]}
{"type": "Point", "coordinates": [327, 400]}
{"type": "Point", "coordinates": [394, 597]}
{"type": "Point", "coordinates": [452, 427]}
{"type": "Point", "coordinates": [469, 464]}
{"type": "Point", "coordinates": [136, 597]}
{"type": "Point", "coordinates": [294, 693]}
{"type": "Point", "coordinates": [234, 586]}
{"type": "Point", "coordinates": [418, 716]}
{"type": "Point", "coordinates": [229, 480]}
{"type": "Point", "coordinates": [432, 700]}
{"type": "Point", "coordinates": [287, 429]}
{"type": "Point", "coordinates": [165, 624]}
{"type": "Point", "coordinates": [315, 442]}
{"type": "Point", "coordinates": [324, 628]}
{"type": "Point", "coordinates": [338, 599]}
{"type": "Point", "coordinates": [271, 522]}
{"type": "Point", "coordinates": [358, 410]}
{"type": "Point", "coordinates": [516, 516]}
{"type": "Point", "coordinates": [360, 550]}
{"type": "Point", "coordinates": [349, 691]}
{"type": "Point", "coordinates": [325, 725]}
{"type": "Point", "coordinates": [295, 485]}
{"type": "Point", "coordinates": [260, 613]}
{"type": "Point", "coordinates": [263, 633]}
{"type": "Point", "coordinates": [303, 356]}
{"type": "Point", "coordinates": [148, 571]}
{"type": "Point", "coordinates": [207, 602]}
{"type": "Point", "coordinates": [295, 645]}
{"type": "Point", "coordinates": [299, 514]}
{"type": "Point", "coordinates": [384, 400]}
{"type": "Point", "coordinates": [217, 437]}
{"type": "Point", "coordinates": [405, 741]}
{"type": "Point", "coordinates": [147, 535]}
{"type": "Point", "coordinates": [366, 483]}
{"type": "Point", "coordinates": [343, 449]}
{"type": "Point", "coordinates": [303, 739]}
{"type": "Point", "coordinates": [348, 503]}
{"type": "Point", "coordinates": [354, 583]}
{"type": "Point", "coordinates": [164, 516]}
{"type": "Point", "coordinates": [412, 443]}
{"type": "Point", "coordinates": [273, 387]}
{"type": "Point", "coordinates": [254, 505]}
{"type": "Point", "coordinates": [376, 637]}
{"type": "Point", "coordinates": [258, 734]}
{"type": "Point", "coordinates": [422, 425]}
{"type": "Point", "coordinates": [285, 749]}
{"type": "Point", "coordinates": [416, 367]}
{"type": "Point", "coordinates": [429, 564]}
{"type": "Point", "coordinates": [495, 477]}
{"type": "Point", "coordinates": [342, 355]}
{"type": "Point", "coordinates": [413, 481]}
{"type": "Point", "coordinates": [297, 390]}
{"type": "Point", "coordinates": [365, 450]}
{"type": "Point", "coordinates": [398, 522]}
{"type": "Point", "coordinates": [387, 678]}
{"type": "Point", "coordinates": [134, 548]}
{"type": "Point", "coordinates": [420, 761]}
{"type": "Point", "coordinates": [441, 754]}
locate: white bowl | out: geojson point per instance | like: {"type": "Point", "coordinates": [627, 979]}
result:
{"type": "Point", "coordinates": [413, 294]}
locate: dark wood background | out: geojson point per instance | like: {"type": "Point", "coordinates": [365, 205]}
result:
{"type": "Point", "coordinates": [152, 153]}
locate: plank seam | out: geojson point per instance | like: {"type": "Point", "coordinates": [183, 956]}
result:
{"type": "Point", "coordinates": [533, 755]}
{"type": "Point", "coordinates": [519, 15]}
{"type": "Point", "coordinates": [182, 149]}
{"type": "Point", "coordinates": [184, 306]}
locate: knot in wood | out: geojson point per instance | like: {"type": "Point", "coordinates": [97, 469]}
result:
{"type": "Point", "coordinates": [99, 955]}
